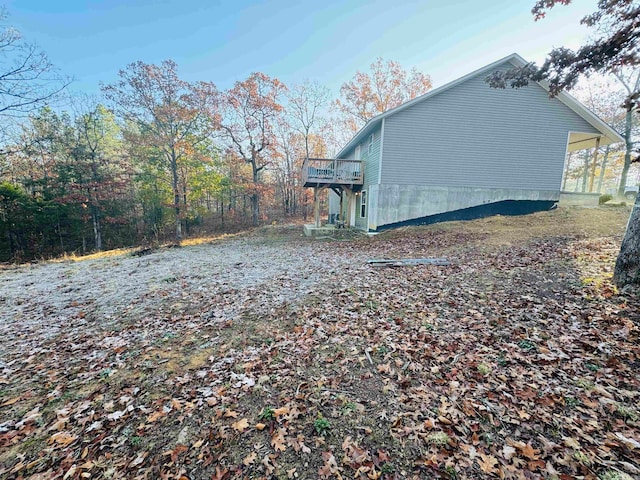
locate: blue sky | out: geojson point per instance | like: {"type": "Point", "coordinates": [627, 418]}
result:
{"type": "Point", "coordinates": [325, 40]}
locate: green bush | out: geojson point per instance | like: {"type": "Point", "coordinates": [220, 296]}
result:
{"type": "Point", "coordinates": [604, 198]}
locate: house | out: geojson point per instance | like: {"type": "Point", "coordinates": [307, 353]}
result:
{"type": "Point", "coordinates": [461, 151]}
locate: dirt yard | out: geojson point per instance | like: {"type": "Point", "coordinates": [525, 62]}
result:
{"type": "Point", "coordinates": [269, 355]}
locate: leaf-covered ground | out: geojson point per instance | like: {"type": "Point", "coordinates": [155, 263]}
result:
{"type": "Point", "coordinates": [272, 356]}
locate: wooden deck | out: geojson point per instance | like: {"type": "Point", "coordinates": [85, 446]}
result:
{"type": "Point", "coordinates": [332, 173]}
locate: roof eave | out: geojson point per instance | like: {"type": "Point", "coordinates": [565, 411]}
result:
{"type": "Point", "coordinates": [591, 118]}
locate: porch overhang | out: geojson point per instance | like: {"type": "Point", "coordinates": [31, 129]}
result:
{"type": "Point", "coordinates": [582, 141]}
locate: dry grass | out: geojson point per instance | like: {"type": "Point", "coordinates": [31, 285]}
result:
{"type": "Point", "coordinates": [72, 257]}
{"type": "Point", "coordinates": [189, 242]}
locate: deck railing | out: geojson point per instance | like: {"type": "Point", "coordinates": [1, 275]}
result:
{"type": "Point", "coordinates": [332, 171]}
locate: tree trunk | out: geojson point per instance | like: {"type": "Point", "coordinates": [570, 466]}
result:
{"type": "Point", "coordinates": [95, 206]}
{"type": "Point", "coordinates": [294, 201]}
{"type": "Point", "coordinates": [255, 199]}
{"type": "Point", "coordinates": [97, 229]}
{"type": "Point", "coordinates": [566, 172]}
{"type": "Point", "coordinates": [176, 195]}
{"type": "Point", "coordinates": [255, 209]}
{"type": "Point", "coordinates": [627, 270]}
{"type": "Point", "coordinates": [60, 237]}
{"type": "Point", "coordinates": [184, 205]}
{"type": "Point", "coordinates": [304, 205]}
{"type": "Point", "coordinates": [316, 207]}
{"type": "Point", "coordinates": [592, 177]}
{"type": "Point", "coordinates": [602, 168]}
{"type": "Point", "coordinates": [628, 122]}
{"type": "Point", "coordinates": [244, 207]}
{"type": "Point", "coordinates": [222, 210]}
{"type": "Point", "coordinates": [585, 172]}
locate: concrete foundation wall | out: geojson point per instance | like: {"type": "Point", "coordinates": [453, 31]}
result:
{"type": "Point", "coordinates": [579, 198]}
{"type": "Point", "coordinates": [400, 203]}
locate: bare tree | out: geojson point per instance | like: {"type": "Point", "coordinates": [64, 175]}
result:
{"type": "Point", "coordinates": [28, 80]}
{"type": "Point", "coordinates": [604, 96]}
{"type": "Point", "coordinates": [306, 103]}
{"type": "Point", "coordinates": [630, 79]}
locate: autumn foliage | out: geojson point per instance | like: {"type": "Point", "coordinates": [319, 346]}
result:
{"type": "Point", "coordinates": [164, 158]}
{"type": "Point", "coordinates": [385, 87]}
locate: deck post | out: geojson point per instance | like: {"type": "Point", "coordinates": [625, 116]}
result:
{"type": "Point", "coordinates": [316, 206]}
{"type": "Point", "coordinates": [341, 216]}
{"type": "Point", "coordinates": [593, 166]}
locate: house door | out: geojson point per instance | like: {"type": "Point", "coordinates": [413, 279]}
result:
{"type": "Point", "coordinates": [353, 200]}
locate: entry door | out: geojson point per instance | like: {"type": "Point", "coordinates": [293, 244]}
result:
{"type": "Point", "coordinates": [352, 210]}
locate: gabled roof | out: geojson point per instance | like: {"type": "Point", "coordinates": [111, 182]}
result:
{"type": "Point", "coordinates": [609, 134]}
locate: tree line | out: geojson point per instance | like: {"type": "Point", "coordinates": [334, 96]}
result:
{"type": "Point", "coordinates": [157, 158]}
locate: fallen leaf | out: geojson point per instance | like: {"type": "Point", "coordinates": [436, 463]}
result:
{"type": "Point", "coordinates": [330, 466]}
{"type": "Point", "coordinates": [630, 442]}
{"type": "Point", "coordinates": [508, 452]}
{"type": "Point", "coordinates": [178, 450]}
{"type": "Point", "coordinates": [60, 424]}
{"type": "Point", "coordinates": [116, 415]}
{"type": "Point", "coordinates": [278, 441]}
{"type": "Point", "coordinates": [63, 438]}
{"type": "Point", "coordinates": [220, 474]}
{"type": "Point", "coordinates": [268, 464]}
{"type": "Point", "coordinates": [536, 465]}
{"type": "Point", "coordinates": [278, 412]}
{"type": "Point", "coordinates": [71, 472]}
{"type": "Point", "coordinates": [571, 443]}
{"type": "Point", "coordinates": [529, 452]}
{"type": "Point", "coordinates": [139, 459]}
{"type": "Point", "coordinates": [249, 459]}
{"type": "Point", "coordinates": [155, 416]}
{"type": "Point", "coordinates": [198, 444]}
{"type": "Point", "coordinates": [487, 463]}
{"type": "Point", "coordinates": [10, 401]}
{"type": "Point", "coordinates": [241, 425]}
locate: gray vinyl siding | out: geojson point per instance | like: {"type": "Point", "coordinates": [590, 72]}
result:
{"type": "Point", "coordinates": [371, 169]}
{"type": "Point", "coordinates": [472, 135]}
{"type": "Point", "coordinates": [371, 160]}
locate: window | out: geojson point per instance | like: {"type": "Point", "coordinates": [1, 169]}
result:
{"type": "Point", "coordinates": [357, 155]}
{"type": "Point", "coordinates": [363, 204]}
{"type": "Point", "coordinates": [370, 146]}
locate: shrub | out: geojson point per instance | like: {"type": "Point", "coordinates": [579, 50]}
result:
{"type": "Point", "coordinates": [604, 198]}
{"type": "Point", "coordinates": [321, 425]}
